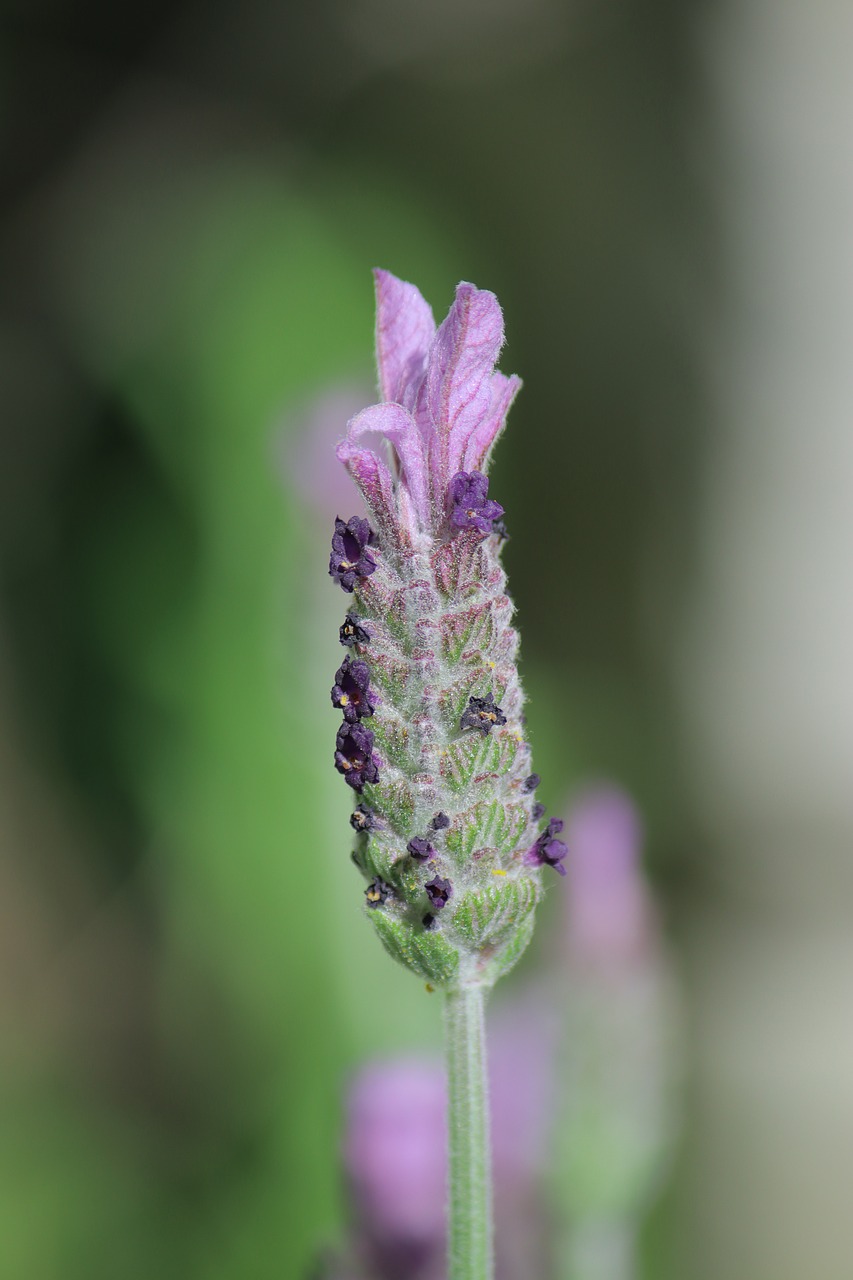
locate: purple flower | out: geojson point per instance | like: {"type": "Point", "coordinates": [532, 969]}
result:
{"type": "Point", "coordinates": [439, 821]}
{"type": "Point", "coordinates": [352, 632]}
{"type": "Point", "coordinates": [443, 405]}
{"type": "Point", "coordinates": [377, 892]}
{"type": "Point", "coordinates": [351, 690]}
{"type": "Point", "coordinates": [438, 891]}
{"type": "Point", "coordinates": [362, 818]}
{"type": "Point", "coordinates": [421, 850]}
{"type": "Point", "coordinates": [353, 747]}
{"type": "Point", "coordinates": [395, 1157]}
{"type": "Point", "coordinates": [610, 913]}
{"type": "Point", "coordinates": [350, 559]}
{"type": "Point", "coordinates": [469, 506]}
{"type": "Point", "coordinates": [548, 850]}
{"type": "Point", "coordinates": [532, 782]}
{"type": "Point", "coordinates": [539, 810]}
{"type": "Point", "coordinates": [482, 714]}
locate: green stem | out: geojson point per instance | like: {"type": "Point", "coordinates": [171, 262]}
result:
{"type": "Point", "coordinates": [470, 1180]}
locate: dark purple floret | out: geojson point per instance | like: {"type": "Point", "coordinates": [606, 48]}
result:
{"type": "Point", "coordinates": [532, 782]}
{"type": "Point", "coordinates": [548, 850]}
{"type": "Point", "coordinates": [353, 747]}
{"type": "Point", "coordinates": [429, 922]}
{"type": "Point", "coordinates": [499, 530]}
{"type": "Point", "coordinates": [539, 810]}
{"type": "Point", "coordinates": [351, 690]}
{"type": "Point", "coordinates": [482, 714]}
{"type": "Point", "coordinates": [420, 849]}
{"type": "Point", "coordinates": [440, 821]}
{"type": "Point", "coordinates": [438, 891]}
{"type": "Point", "coordinates": [470, 508]}
{"type": "Point", "coordinates": [352, 632]}
{"type": "Point", "coordinates": [362, 818]}
{"type": "Point", "coordinates": [350, 559]}
{"type": "Point", "coordinates": [377, 892]}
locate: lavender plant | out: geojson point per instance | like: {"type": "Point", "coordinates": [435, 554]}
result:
{"type": "Point", "coordinates": [432, 738]}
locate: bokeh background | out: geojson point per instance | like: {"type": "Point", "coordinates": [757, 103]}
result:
{"type": "Point", "coordinates": [661, 195]}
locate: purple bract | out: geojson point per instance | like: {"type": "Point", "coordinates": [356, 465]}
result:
{"type": "Point", "coordinates": [443, 405]}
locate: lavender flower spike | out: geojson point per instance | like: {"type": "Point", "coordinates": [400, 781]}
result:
{"type": "Point", "coordinates": [443, 767]}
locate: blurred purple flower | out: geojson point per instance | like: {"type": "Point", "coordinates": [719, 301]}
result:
{"type": "Point", "coordinates": [609, 907]}
{"type": "Point", "coordinates": [308, 448]}
{"type": "Point", "coordinates": [395, 1158]}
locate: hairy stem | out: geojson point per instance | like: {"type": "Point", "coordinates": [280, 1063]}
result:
{"type": "Point", "coordinates": [470, 1177]}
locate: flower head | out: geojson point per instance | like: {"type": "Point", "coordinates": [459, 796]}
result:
{"type": "Point", "coordinates": [548, 851]}
{"type": "Point", "coordinates": [351, 690]}
{"type": "Point", "coordinates": [430, 597]}
{"type": "Point", "coordinates": [353, 755]}
{"type": "Point", "coordinates": [350, 558]}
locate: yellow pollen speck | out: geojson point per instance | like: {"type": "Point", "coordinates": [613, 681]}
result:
{"type": "Point", "coordinates": [344, 699]}
{"type": "Point", "coordinates": [493, 665]}
{"type": "Point", "coordinates": [498, 873]}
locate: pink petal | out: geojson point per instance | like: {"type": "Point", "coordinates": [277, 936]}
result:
{"type": "Point", "coordinates": [374, 480]}
{"type": "Point", "coordinates": [458, 391]}
{"type": "Point", "coordinates": [393, 423]}
{"type": "Point", "coordinates": [479, 446]}
{"type": "Point", "coordinates": [404, 332]}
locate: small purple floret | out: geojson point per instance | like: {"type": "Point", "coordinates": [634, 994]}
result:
{"type": "Point", "coordinates": [420, 849]}
{"type": "Point", "coordinates": [362, 818]}
{"type": "Point", "coordinates": [352, 632]}
{"type": "Point", "coordinates": [351, 690]}
{"type": "Point", "coordinates": [350, 559]}
{"type": "Point", "coordinates": [482, 714]}
{"type": "Point", "coordinates": [377, 892]}
{"type": "Point", "coordinates": [548, 850]}
{"type": "Point", "coordinates": [353, 747]}
{"type": "Point", "coordinates": [539, 810]}
{"type": "Point", "coordinates": [470, 508]}
{"type": "Point", "coordinates": [438, 891]}
{"type": "Point", "coordinates": [532, 782]}
{"type": "Point", "coordinates": [440, 821]}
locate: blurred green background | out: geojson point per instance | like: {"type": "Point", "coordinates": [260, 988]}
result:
{"type": "Point", "coordinates": [193, 197]}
